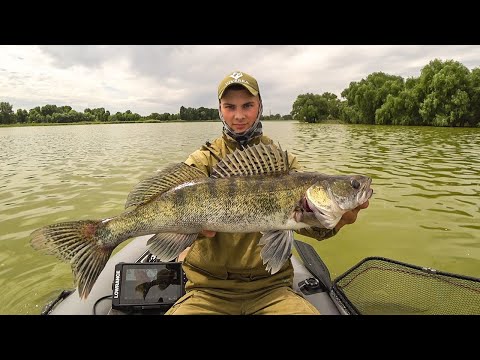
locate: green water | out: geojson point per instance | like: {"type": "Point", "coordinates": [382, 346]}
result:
{"type": "Point", "coordinates": [425, 209]}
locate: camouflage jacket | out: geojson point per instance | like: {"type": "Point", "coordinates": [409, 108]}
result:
{"type": "Point", "coordinates": [231, 261]}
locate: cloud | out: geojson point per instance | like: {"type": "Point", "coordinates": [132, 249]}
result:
{"type": "Point", "coordinates": [146, 79]}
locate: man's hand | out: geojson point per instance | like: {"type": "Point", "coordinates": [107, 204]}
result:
{"type": "Point", "coordinates": [350, 216]}
{"type": "Point", "coordinates": [208, 233]}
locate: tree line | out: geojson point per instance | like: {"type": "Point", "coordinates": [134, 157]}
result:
{"type": "Point", "coordinates": [445, 94]}
{"type": "Point", "coordinates": [65, 114]}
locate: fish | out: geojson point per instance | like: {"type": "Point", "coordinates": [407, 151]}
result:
{"type": "Point", "coordinates": [249, 190]}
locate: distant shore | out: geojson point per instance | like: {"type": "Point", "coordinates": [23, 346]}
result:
{"type": "Point", "coordinates": [118, 122]}
{"type": "Point", "coordinates": [99, 123]}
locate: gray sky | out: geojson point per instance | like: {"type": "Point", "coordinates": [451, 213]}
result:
{"type": "Point", "coordinates": [161, 78]}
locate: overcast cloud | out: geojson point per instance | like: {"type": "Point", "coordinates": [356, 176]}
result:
{"type": "Point", "coordinates": [156, 78]}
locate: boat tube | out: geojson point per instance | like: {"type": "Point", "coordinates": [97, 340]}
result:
{"type": "Point", "coordinates": [376, 285]}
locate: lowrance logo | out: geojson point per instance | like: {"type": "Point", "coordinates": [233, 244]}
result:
{"type": "Point", "coordinates": [116, 288]}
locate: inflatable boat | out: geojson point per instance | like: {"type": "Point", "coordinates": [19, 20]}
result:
{"type": "Point", "coordinates": [374, 286]}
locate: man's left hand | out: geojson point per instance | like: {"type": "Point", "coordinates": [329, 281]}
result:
{"type": "Point", "coordinates": [350, 216]}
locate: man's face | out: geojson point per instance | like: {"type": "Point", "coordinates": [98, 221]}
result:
{"type": "Point", "coordinates": [239, 109]}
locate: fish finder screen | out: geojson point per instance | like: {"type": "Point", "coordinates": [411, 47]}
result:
{"type": "Point", "coordinates": [149, 283]}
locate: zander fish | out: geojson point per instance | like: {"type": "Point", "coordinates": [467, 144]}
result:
{"type": "Point", "coordinates": [250, 190]}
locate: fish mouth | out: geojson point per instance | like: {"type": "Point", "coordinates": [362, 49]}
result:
{"type": "Point", "coordinates": [366, 192]}
{"type": "Point", "coordinates": [330, 216]}
{"type": "Point", "coordinates": [305, 204]}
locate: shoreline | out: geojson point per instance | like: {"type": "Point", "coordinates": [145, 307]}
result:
{"type": "Point", "coordinates": [115, 122]}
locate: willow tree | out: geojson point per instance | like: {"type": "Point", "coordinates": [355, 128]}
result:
{"type": "Point", "coordinates": [475, 97]}
{"type": "Point", "coordinates": [313, 108]}
{"type": "Point", "coordinates": [446, 87]}
{"type": "Point", "coordinates": [402, 109]}
{"type": "Point", "coordinates": [7, 116]}
{"type": "Point", "coordinates": [368, 95]}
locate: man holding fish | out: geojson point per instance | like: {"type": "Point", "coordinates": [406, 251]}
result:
{"type": "Point", "coordinates": [234, 204]}
{"type": "Point", "coordinates": [225, 270]}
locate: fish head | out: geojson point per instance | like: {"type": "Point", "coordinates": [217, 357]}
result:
{"type": "Point", "coordinates": [332, 196]}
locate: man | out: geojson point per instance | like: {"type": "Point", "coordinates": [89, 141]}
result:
{"type": "Point", "coordinates": [225, 272]}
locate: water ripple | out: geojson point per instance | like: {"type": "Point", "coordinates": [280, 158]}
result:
{"type": "Point", "coordinates": [425, 208]}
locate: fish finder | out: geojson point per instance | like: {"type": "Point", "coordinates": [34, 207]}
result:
{"type": "Point", "coordinates": [142, 286]}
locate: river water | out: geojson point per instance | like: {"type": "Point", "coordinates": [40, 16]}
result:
{"type": "Point", "coordinates": [425, 209]}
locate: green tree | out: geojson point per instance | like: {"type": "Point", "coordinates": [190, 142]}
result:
{"type": "Point", "coordinates": [7, 115]}
{"type": "Point", "coordinates": [446, 86]}
{"type": "Point", "coordinates": [368, 95]}
{"type": "Point", "coordinates": [64, 109]}
{"type": "Point", "coordinates": [49, 110]}
{"type": "Point", "coordinates": [99, 114]}
{"type": "Point", "coordinates": [311, 107]}
{"type": "Point", "coordinates": [34, 116]}
{"type": "Point", "coordinates": [475, 97]}
{"type": "Point", "coordinates": [402, 109]}
{"type": "Point", "coordinates": [22, 116]}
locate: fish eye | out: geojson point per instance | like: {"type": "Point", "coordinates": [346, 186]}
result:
{"type": "Point", "coordinates": [355, 184]}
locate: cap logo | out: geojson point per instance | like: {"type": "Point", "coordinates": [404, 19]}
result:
{"type": "Point", "coordinates": [239, 78]}
{"type": "Point", "coordinates": [236, 75]}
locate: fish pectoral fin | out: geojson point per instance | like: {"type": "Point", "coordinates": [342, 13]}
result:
{"type": "Point", "coordinates": [277, 248]}
{"type": "Point", "coordinates": [167, 246]}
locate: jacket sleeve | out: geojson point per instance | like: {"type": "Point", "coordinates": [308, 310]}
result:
{"type": "Point", "coordinates": [312, 232]}
{"type": "Point", "coordinates": [317, 232]}
{"type": "Point", "coordinates": [202, 160]}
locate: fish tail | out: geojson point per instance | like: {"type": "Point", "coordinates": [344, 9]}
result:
{"type": "Point", "coordinates": [79, 242]}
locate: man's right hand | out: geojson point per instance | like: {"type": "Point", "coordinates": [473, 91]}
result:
{"type": "Point", "coordinates": [350, 216]}
{"type": "Point", "coordinates": [208, 233]}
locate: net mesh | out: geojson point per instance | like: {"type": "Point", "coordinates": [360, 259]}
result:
{"type": "Point", "coordinates": [380, 286]}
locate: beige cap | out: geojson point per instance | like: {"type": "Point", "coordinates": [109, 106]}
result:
{"type": "Point", "coordinates": [240, 78]}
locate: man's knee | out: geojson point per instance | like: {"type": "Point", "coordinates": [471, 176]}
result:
{"type": "Point", "coordinates": [283, 301]}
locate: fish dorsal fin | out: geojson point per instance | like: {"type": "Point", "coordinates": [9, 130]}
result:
{"type": "Point", "coordinates": [253, 160]}
{"type": "Point", "coordinates": [161, 182]}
